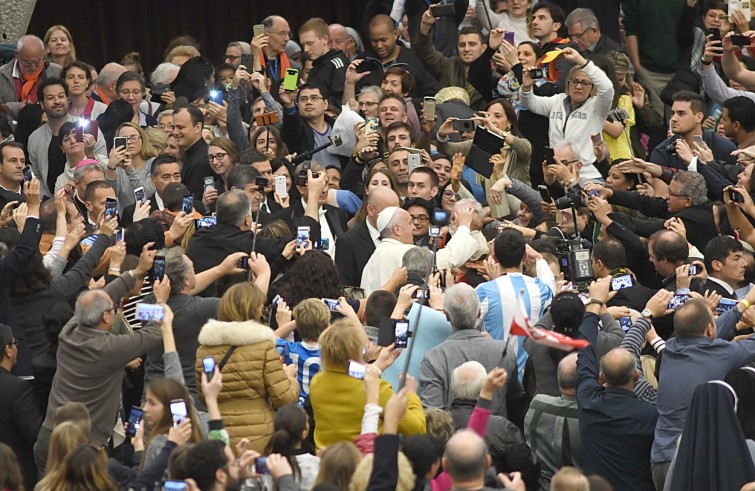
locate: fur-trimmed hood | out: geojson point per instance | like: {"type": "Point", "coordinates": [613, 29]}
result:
{"type": "Point", "coordinates": [219, 333]}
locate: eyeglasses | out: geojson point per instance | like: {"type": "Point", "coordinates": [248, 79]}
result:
{"type": "Point", "coordinates": [677, 195]}
{"type": "Point", "coordinates": [232, 57]}
{"type": "Point", "coordinates": [217, 156]}
{"type": "Point", "coordinates": [112, 309]}
{"type": "Point", "coordinates": [580, 83]}
{"type": "Point", "coordinates": [133, 138]}
{"type": "Point", "coordinates": [448, 193]}
{"type": "Point", "coordinates": [420, 218]}
{"type": "Point", "coordinates": [126, 93]}
{"type": "Point", "coordinates": [577, 36]}
{"type": "Point", "coordinates": [368, 103]}
{"type": "Point", "coordinates": [286, 34]}
{"type": "Point", "coordinates": [313, 98]}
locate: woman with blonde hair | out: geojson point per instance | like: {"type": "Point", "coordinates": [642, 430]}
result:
{"type": "Point", "coordinates": [338, 399]}
{"type": "Point", "coordinates": [84, 469]}
{"type": "Point", "coordinates": [59, 45]}
{"type": "Point", "coordinates": [129, 167]}
{"type": "Point", "coordinates": [338, 463]}
{"type": "Point", "coordinates": [65, 437]}
{"type": "Point", "coordinates": [255, 382]}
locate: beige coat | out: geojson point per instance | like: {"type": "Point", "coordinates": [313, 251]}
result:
{"type": "Point", "coordinates": [254, 383]}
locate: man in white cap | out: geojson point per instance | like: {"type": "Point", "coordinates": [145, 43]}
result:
{"type": "Point", "coordinates": [395, 227]}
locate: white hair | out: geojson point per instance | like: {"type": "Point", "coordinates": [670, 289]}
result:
{"type": "Point", "coordinates": [29, 37]}
{"type": "Point", "coordinates": [164, 73]}
{"type": "Point", "coordinates": [467, 380]}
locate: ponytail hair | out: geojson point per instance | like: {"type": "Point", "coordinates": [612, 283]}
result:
{"type": "Point", "coordinates": [290, 425]}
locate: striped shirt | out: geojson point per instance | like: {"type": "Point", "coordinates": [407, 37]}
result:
{"type": "Point", "coordinates": [307, 360]}
{"type": "Point", "coordinates": [500, 297]}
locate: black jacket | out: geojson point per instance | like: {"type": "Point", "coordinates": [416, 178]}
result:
{"type": "Point", "coordinates": [720, 146]}
{"type": "Point", "coordinates": [424, 83]}
{"type": "Point", "coordinates": [20, 419]}
{"type": "Point", "coordinates": [127, 216]}
{"type": "Point", "coordinates": [504, 440]}
{"type": "Point", "coordinates": [329, 71]}
{"type": "Point", "coordinates": [698, 219]}
{"type": "Point", "coordinates": [196, 168]}
{"type": "Point", "coordinates": [719, 288]}
{"type": "Point", "coordinates": [353, 250]}
{"type": "Point", "coordinates": [299, 136]}
{"type": "Point", "coordinates": [294, 217]}
{"type": "Point", "coordinates": [8, 196]}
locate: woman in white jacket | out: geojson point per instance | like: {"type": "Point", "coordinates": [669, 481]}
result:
{"type": "Point", "coordinates": [576, 114]}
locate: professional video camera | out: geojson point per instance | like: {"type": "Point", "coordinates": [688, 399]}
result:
{"type": "Point", "coordinates": [574, 259]}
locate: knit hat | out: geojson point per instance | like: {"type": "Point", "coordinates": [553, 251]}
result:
{"type": "Point", "coordinates": [385, 217]}
{"type": "Point", "coordinates": [292, 48]}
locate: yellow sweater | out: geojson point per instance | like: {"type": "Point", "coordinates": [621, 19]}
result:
{"type": "Point", "coordinates": [338, 404]}
{"type": "Point", "coordinates": [619, 147]}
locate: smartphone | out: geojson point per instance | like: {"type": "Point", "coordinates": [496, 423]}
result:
{"type": "Point", "coordinates": [421, 294]}
{"type": "Point", "coordinates": [369, 65]}
{"type": "Point", "coordinates": [428, 108]}
{"type": "Point", "coordinates": [209, 183]}
{"type": "Point", "coordinates": [593, 193]}
{"type": "Point", "coordinates": [280, 186]}
{"type": "Point", "coordinates": [508, 36]}
{"type": "Point", "coordinates": [677, 301]}
{"type": "Point", "coordinates": [291, 79]}
{"type": "Point", "coordinates": [134, 420]}
{"type": "Point", "coordinates": [216, 96]}
{"type": "Point", "coordinates": [736, 196]}
{"type": "Point", "coordinates": [244, 263]}
{"type": "Point", "coordinates": [260, 465]}
{"type": "Point", "coordinates": [208, 363]}
{"type": "Point", "coordinates": [537, 73]}
{"type": "Point", "coordinates": [415, 160]}
{"type": "Point", "coordinates": [187, 205]}
{"type": "Point", "coordinates": [462, 125]}
{"type": "Point", "coordinates": [157, 91]}
{"type": "Point", "coordinates": [401, 334]}
{"type": "Point", "coordinates": [549, 156]}
{"type": "Point", "coordinates": [206, 222]}
{"type": "Point", "coordinates": [331, 303]}
{"type": "Point", "coordinates": [171, 485]}
{"type": "Point", "coordinates": [545, 195]}
{"type": "Point", "coordinates": [698, 139]}
{"type": "Point", "coordinates": [725, 304]}
{"type": "Point", "coordinates": [79, 132]}
{"type": "Point", "coordinates": [247, 61]}
{"type": "Point", "coordinates": [324, 244]}
{"type": "Point", "coordinates": [178, 410]}
{"type": "Point", "coordinates": [111, 207]}
{"type": "Point", "coordinates": [119, 234]}
{"type": "Point", "coordinates": [596, 139]}
{"type": "Point", "coordinates": [139, 195]}
{"type": "Point", "coordinates": [715, 33]}
{"type": "Point", "coordinates": [28, 174]}
{"type": "Point", "coordinates": [266, 119]}
{"type": "Point", "coordinates": [302, 236]}
{"type": "Point", "coordinates": [740, 40]}
{"type": "Point", "coordinates": [620, 282]}
{"type": "Point", "coordinates": [120, 141]}
{"type": "Point", "coordinates": [149, 312]}
{"type": "Point", "coordinates": [372, 125]}
{"type": "Point", "coordinates": [440, 217]}
{"type": "Point", "coordinates": [356, 369]}
{"type": "Point", "coordinates": [443, 10]}
{"type": "Point", "coordinates": [258, 29]}
{"type": "Point", "coordinates": [277, 300]}
{"type": "Point", "coordinates": [158, 268]}
{"type": "Point", "coordinates": [742, 5]}
{"type": "Point", "coordinates": [626, 323]}
{"type": "Point", "coordinates": [693, 269]}
{"type": "Point", "coordinates": [434, 231]}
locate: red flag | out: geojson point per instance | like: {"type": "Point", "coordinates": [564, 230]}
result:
{"type": "Point", "coordinates": [520, 326]}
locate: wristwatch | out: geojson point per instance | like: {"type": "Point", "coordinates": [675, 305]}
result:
{"type": "Point", "coordinates": [596, 301]}
{"type": "Point", "coordinates": [647, 314]}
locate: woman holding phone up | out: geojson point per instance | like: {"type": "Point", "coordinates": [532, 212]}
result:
{"type": "Point", "coordinates": [577, 113]}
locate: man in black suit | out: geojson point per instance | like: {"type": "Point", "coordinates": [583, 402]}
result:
{"type": "Point", "coordinates": [233, 233]}
{"type": "Point", "coordinates": [609, 258]}
{"type": "Point", "coordinates": [260, 162]}
{"type": "Point", "coordinates": [357, 245]}
{"type": "Point", "coordinates": [188, 122]}
{"type": "Point", "coordinates": [334, 224]}
{"type": "Point", "coordinates": [20, 415]}
{"type": "Point", "coordinates": [244, 177]}
{"type": "Point", "coordinates": [687, 201]}
{"type": "Point", "coordinates": [725, 264]}
{"type": "Point", "coordinates": [164, 170]}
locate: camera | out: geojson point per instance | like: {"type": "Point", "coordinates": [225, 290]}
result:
{"type": "Point", "coordinates": [618, 115]}
{"type": "Point", "coordinates": [539, 73]}
{"type": "Point", "coordinates": [575, 263]}
{"type": "Point", "coordinates": [671, 148]}
{"type": "Point", "coordinates": [736, 196]}
{"type": "Point", "coordinates": [572, 198]}
{"type": "Point", "coordinates": [462, 125]}
{"type": "Point", "coordinates": [261, 182]}
{"type": "Point", "coordinates": [301, 177]}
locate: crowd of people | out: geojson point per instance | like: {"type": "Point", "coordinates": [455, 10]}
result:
{"type": "Point", "coordinates": [328, 261]}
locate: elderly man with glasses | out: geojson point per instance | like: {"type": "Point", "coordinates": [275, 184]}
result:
{"type": "Point", "coordinates": [20, 78]}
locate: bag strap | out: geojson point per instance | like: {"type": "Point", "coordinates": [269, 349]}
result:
{"type": "Point", "coordinates": [225, 358]}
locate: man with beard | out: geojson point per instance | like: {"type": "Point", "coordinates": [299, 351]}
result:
{"type": "Point", "coordinates": [45, 152]}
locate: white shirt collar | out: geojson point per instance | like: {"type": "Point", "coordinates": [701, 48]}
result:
{"type": "Point", "coordinates": [159, 201]}
{"type": "Point", "coordinates": [726, 286]}
{"type": "Point", "coordinates": [374, 233]}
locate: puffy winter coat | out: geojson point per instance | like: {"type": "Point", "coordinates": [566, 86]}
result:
{"type": "Point", "coordinates": [254, 383]}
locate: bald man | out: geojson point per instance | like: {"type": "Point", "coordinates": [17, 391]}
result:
{"type": "Point", "coordinates": [385, 47]}
{"type": "Point", "coordinates": [466, 460]}
{"type": "Point", "coordinates": [338, 38]}
{"type": "Point", "coordinates": [617, 428]}
{"type": "Point", "coordinates": [20, 78]}
{"type": "Point", "coordinates": [104, 90]}
{"type": "Point", "coordinates": [357, 245]}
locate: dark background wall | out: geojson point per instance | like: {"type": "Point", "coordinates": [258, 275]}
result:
{"type": "Point", "coordinates": [105, 30]}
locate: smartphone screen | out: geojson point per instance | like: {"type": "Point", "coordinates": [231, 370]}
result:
{"type": "Point", "coordinates": [178, 410]}
{"type": "Point", "coordinates": [208, 362]}
{"type": "Point", "coordinates": [725, 304]}
{"type": "Point", "coordinates": [206, 222]}
{"type": "Point", "coordinates": [356, 369]}
{"type": "Point", "coordinates": [331, 303]}
{"type": "Point", "coordinates": [187, 205]}
{"type": "Point", "coordinates": [158, 268]}
{"type": "Point", "coordinates": [401, 334]}
{"type": "Point", "coordinates": [171, 485]}
{"type": "Point", "coordinates": [302, 236]}
{"type": "Point", "coordinates": [626, 323]}
{"type": "Point", "coordinates": [27, 173]}
{"type": "Point", "coordinates": [620, 282]}
{"type": "Point", "coordinates": [135, 420]}
{"type": "Point", "coordinates": [677, 301]}
{"type": "Point", "coordinates": [111, 207]}
{"type": "Point", "coordinates": [149, 312]}
{"type": "Point", "coordinates": [139, 195]}
{"type": "Point", "coordinates": [508, 36]}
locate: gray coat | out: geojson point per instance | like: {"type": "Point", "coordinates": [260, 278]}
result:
{"type": "Point", "coordinates": [460, 347]}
